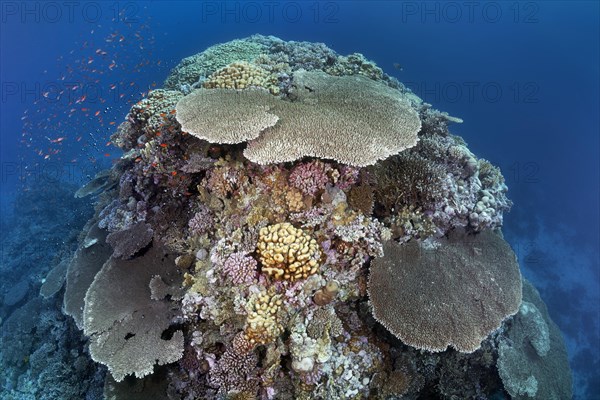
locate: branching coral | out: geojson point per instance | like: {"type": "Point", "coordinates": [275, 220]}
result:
{"type": "Point", "coordinates": [310, 177]}
{"type": "Point", "coordinates": [408, 179]}
{"type": "Point", "coordinates": [201, 222]}
{"type": "Point", "coordinates": [240, 268]}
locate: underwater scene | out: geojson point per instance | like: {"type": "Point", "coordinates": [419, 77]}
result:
{"type": "Point", "coordinates": [299, 200]}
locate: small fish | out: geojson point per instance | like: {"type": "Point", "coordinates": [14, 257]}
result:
{"type": "Point", "coordinates": [398, 66]}
{"type": "Point", "coordinates": [173, 173]}
{"type": "Point", "coordinates": [163, 145]}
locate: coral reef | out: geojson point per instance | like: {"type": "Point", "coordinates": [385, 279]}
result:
{"type": "Point", "coordinates": [126, 332]}
{"type": "Point", "coordinates": [267, 197]}
{"type": "Point", "coordinates": [42, 353]}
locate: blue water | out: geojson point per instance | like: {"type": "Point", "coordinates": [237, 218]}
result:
{"type": "Point", "coordinates": [524, 76]}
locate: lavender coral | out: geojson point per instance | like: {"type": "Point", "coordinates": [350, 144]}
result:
{"type": "Point", "coordinates": [201, 222]}
{"type": "Point", "coordinates": [240, 268]}
{"type": "Point", "coordinates": [310, 177]}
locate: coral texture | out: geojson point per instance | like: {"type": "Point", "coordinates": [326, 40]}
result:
{"type": "Point", "coordinates": [532, 361]}
{"type": "Point", "coordinates": [355, 120]}
{"type": "Point", "coordinates": [453, 294]}
{"type": "Point", "coordinates": [124, 323]}
{"type": "Point", "coordinates": [287, 253]}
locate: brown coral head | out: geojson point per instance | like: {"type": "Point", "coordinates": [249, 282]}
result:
{"type": "Point", "coordinates": [326, 294]}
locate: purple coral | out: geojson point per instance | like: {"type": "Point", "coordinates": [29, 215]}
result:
{"type": "Point", "coordinates": [240, 268]}
{"type": "Point", "coordinates": [234, 372]}
{"type": "Point", "coordinates": [201, 222]}
{"type": "Point", "coordinates": [348, 177]}
{"type": "Point", "coordinates": [310, 177]}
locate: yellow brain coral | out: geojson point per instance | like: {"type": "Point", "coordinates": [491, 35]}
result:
{"type": "Point", "coordinates": [241, 75]}
{"type": "Point", "coordinates": [287, 253]}
{"type": "Point", "coordinates": [262, 325]}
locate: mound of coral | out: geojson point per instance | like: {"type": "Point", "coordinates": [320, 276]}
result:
{"type": "Point", "coordinates": [254, 239]}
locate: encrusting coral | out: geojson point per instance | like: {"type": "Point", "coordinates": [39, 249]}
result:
{"type": "Point", "coordinates": [274, 203]}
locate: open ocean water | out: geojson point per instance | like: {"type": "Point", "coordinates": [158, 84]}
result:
{"type": "Point", "coordinates": [524, 76]}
